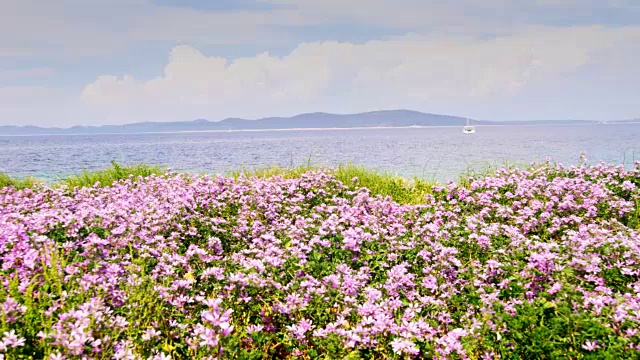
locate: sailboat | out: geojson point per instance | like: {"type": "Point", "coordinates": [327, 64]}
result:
{"type": "Point", "coordinates": [468, 129]}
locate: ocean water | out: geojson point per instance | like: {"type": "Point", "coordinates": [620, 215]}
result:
{"type": "Point", "coordinates": [437, 153]}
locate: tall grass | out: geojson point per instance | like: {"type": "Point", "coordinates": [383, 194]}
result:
{"type": "Point", "coordinates": [110, 175]}
{"type": "Point", "coordinates": [7, 181]}
{"type": "Point", "coordinates": [400, 189]}
{"type": "Point", "coordinates": [104, 177]}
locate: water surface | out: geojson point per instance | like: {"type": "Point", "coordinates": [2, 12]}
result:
{"type": "Point", "coordinates": [437, 153]}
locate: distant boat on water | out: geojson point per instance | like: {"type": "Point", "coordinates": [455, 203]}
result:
{"type": "Point", "coordinates": [468, 129]}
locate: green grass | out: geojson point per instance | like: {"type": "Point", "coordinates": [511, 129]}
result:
{"type": "Point", "coordinates": [110, 175]}
{"type": "Point", "coordinates": [6, 180]}
{"type": "Point", "coordinates": [104, 177]}
{"type": "Point", "coordinates": [400, 189]}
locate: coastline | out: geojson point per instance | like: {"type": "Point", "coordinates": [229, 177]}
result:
{"type": "Point", "coordinates": [309, 129]}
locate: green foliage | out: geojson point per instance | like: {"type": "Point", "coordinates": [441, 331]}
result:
{"type": "Point", "coordinates": [546, 330]}
{"type": "Point", "coordinates": [110, 175]}
{"type": "Point", "coordinates": [7, 181]}
{"type": "Point", "coordinates": [400, 189]}
{"type": "Point", "coordinates": [104, 177]}
{"type": "Point", "coordinates": [547, 327]}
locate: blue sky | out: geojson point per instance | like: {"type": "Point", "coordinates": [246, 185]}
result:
{"type": "Point", "coordinates": [69, 62]}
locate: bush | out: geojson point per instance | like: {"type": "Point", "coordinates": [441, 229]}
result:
{"type": "Point", "coordinates": [541, 262]}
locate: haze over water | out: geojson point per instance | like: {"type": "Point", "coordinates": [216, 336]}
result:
{"type": "Point", "coordinates": [431, 153]}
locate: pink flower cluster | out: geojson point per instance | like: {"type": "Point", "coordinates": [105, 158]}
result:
{"type": "Point", "coordinates": [179, 266]}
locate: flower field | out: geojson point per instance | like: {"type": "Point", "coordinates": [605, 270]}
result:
{"type": "Point", "coordinates": [541, 262]}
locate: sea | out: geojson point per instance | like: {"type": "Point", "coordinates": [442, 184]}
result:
{"type": "Point", "coordinates": [431, 153]}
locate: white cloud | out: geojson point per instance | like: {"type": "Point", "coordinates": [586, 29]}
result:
{"type": "Point", "coordinates": [456, 66]}
{"type": "Point", "coordinates": [433, 73]}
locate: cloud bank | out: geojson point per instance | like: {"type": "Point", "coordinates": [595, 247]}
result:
{"type": "Point", "coordinates": [438, 73]}
{"type": "Point", "coordinates": [71, 62]}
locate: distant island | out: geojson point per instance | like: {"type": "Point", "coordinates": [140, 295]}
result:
{"type": "Point", "coordinates": [318, 120]}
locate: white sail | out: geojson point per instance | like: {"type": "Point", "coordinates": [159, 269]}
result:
{"type": "Point", "coordinates": [468, 129]}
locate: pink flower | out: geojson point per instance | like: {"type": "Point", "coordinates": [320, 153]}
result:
{"type": "Point", "coordinates": [591, 345]}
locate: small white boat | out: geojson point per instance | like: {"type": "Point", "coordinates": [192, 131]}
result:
{"type": "Point", "coordinates": [468, 129]}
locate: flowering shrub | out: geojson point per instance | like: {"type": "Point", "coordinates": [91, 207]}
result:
{"type": "Point", "coordinates": [534, 263]}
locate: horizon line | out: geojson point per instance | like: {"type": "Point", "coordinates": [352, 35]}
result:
{"type": "Point", "coordinates": [307, 113]}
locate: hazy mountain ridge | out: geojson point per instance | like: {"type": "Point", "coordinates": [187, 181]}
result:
{"type": "Point", "coordinates": [397, 118]}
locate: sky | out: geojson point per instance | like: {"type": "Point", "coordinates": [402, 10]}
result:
{"type": "Point", "coordinates": [94, 62]}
